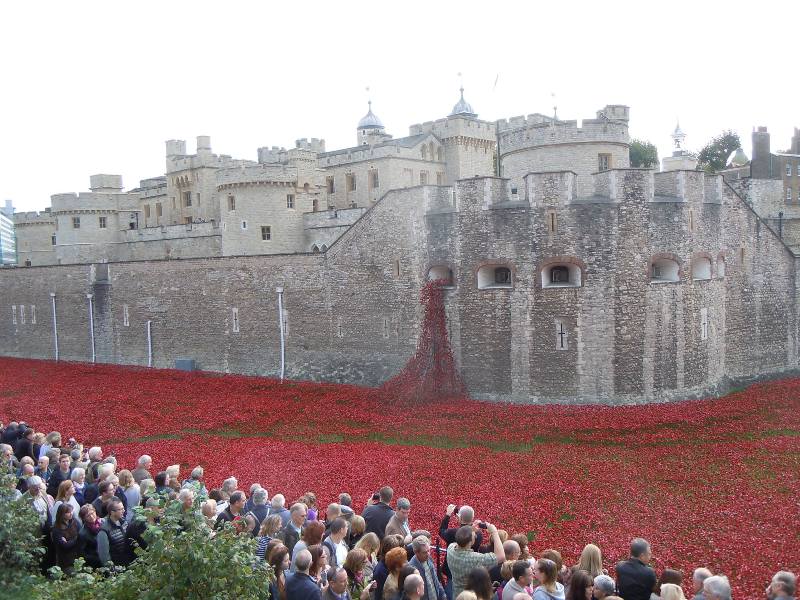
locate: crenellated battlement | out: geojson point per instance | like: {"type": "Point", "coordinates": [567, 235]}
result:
{"type": "Point", "coordinates": [274, 155]}
{"type": "Point", "coordinates": [33, 217]}
{"type": "Point", "coordinates": [315, 144]}
{"type": "Point", "coordinates": [455, 126]}
{"type": "Point", "coordinates": [551, 189]}
{"type": "Point", "coordinates": [539, 133]}
{"type": "Point", "coordinates": [258, 174]}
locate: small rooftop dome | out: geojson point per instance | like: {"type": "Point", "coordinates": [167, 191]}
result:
{"type": "Point", "coordinates": [737, 158]}
{"type": "Point", "coordinates": [463, 107]}
{"type": "Point", "coordinates": [370, 120]}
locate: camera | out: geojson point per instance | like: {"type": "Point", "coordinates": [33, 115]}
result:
{"type": "Point", "coordinates": [482, 525]}
{"type": "Point", "coordinates": [376, 496]}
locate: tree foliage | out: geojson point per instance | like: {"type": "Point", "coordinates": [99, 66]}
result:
{"type": "Point", "coordinates": [643, 154]}
{"type": "Point", "coordinates": [714, 155]}
{"type": "Point", "coordinates": [182, 561]}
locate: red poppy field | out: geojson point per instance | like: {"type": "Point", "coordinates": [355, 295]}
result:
{"type": "Point", "coordinates": [711, 483]}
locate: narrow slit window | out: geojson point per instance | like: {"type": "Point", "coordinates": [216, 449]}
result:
{"type": "Point", "coordinates": [235, 319]}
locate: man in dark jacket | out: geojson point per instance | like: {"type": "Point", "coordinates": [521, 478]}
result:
{"type": "Point", "coordinates": [377, 515]}
{"type": "Point", "coordinates": [232, 512]}
{"type": "Point", "coordinates": [466, 516]}
{"type": "Point", "coordinates": [635, 579]}
{"type": "Point", "coordinates": [300, 585]}
{"type": "Point", "coordinates": [24, 446]}
{"type": "Point", "coordinates": [290, 534]}
{"type": "Point", "coordinates": [112, 541]}
{"type": "Point", "coordinates": [61, 473]}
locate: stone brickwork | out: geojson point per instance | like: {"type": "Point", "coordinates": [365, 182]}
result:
{"type": "Point", "coordinates": [589, 312]}
{"type": "Point", "coordinates": [538, 143]}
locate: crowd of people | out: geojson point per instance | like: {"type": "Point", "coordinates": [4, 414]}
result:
{"type": "Point", "coordinates": [86, 506]}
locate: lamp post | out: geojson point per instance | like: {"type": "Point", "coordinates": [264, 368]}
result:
{"type": "Point", "coordinates": [91, 325]}
{"type": "Point", "coordinates": [55, 322]}
{"type": "Point", "coordinates": [279, 290]}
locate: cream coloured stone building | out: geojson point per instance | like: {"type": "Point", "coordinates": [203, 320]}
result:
{"type": "Point", "coordinates": [302, 199]}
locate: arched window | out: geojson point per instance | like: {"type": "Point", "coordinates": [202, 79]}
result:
{"type": "Point", "coordinates": [701, 268]}
{"type": "Point", "coordinates": [561, 275]}
{"type": "Point", "coordinates": [720, 266]}
{"type": "Point", "coordinates": [494, 277]}
{"type": "Point", "coordinates": [439, 156]}
{"type": "Point", "coordinates": [424, 151]}
{"type": "Point", "coordinates": [315, 249]}
{"type": "Point", "coordinates": [323, 248]}
{"type": "Point", "coordinates": [663, 270]}
{"type": "Point", "coordinates": [442, 273]}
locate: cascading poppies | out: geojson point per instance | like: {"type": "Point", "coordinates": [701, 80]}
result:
{"type": "Point", "coordinates": [710, 483]}
{"type": "Point", "coordinates": [431, 374]}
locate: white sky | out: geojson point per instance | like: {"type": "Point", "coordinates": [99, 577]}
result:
{"type": "Point", "coordinates": [97, 87]}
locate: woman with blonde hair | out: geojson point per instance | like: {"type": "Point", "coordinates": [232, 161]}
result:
{"type": "Point", "coordinates": [671, 591]}
{"type": "Point", "coordinates": [354, 566]}
{"type": "Point", "coordinates": [174, 473]}
{"type": "Point", "coordinates": [357, 527]}
{"type": "Point", "coordinates": [370, 544]}
{"type": "Point", "coordinates": [132, 492]}
{"type": "Point", "coordinates": [591, 561]}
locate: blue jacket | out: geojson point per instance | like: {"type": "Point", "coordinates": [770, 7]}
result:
{"type": "Point", "coordinates": [300, 586]}
{"type": "Point", "coordinates": [438, 593]}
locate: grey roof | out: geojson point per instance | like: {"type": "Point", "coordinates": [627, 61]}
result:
{"type": "Point", "coordinates": [463, 107]}
{"type": "Point", "coordinates": [404, 142]}
{"type": "Point", "coordinates": [370, 120]}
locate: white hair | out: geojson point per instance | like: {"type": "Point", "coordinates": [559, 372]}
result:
{"type": "Point", "coordinates": [466, 514]}
{"type": "Point", "coordinates": [230, 485]}
{"type": "Point", "coordinates": [254, 487]}
{"type": "Point", "coordinates": [701, 574]}
{"type": "Point", "coordinates": [34, 481]}
{"type": "Point", "coordinates": [95, 452]}
{"type": "Point", "coordinates": [146, 486]}
{"type": "Point", "coordinates": [144, 459]}
{"type": "Point", "coordinates": [185, 494]}
{"type": "Point", "coordinates": [605, 584]}
{"type": "Point", "coordinates": [278, 501]}
{"type": "Point", "coordinates": [197, 473]}
{"type": "Point", "coordinates": [260, 497]}
{"type": "Point", "coordinates": [105, 470]}
{"type": "Point", "coordinates": [77, 472]}
{"type": "Point", "coordinates": [719, 586]}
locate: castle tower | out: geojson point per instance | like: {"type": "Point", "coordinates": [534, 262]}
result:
{"type": "Point", "coordinates": [539, 143]}
{"type": "Point", "coordinates": [680, 160]}
{"type": "Point", "coordinates": [370, 129]}
{"type": "Point", "coordinates": [469, 143]}
{"type": "Point", "coordinates": [761, 164]}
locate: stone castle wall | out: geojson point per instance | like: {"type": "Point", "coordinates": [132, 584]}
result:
{"type": "Point", "coordinates": [353, 312]}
